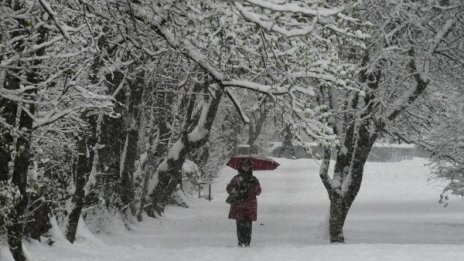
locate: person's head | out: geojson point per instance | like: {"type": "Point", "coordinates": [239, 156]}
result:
{"type": "Point", "coordinates": [246, 165]}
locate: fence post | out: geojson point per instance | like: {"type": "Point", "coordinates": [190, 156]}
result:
{"type": "Point", "coordinates": [209, 191]}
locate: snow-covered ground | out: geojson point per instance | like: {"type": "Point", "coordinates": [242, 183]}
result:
{"type": "Point", "coordinates": [395, 217]}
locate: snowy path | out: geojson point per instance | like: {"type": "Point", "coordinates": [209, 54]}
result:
{"type": "Point", "coordinates": [396, 217]}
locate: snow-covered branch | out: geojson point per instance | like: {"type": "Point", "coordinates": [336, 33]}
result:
{"type": "Point", "coordinates": [63, 28]}
{"type": "Point", "coordinates": [40, 122]}
{"type": "Point", "coordinates": [201, 130]}
{"type": "Point", "coordinates": [294, 8]}
{"type": "Point", "coordinates": [271, 90]}
{"type": "Point", "coordinates": [324, 171]}
{"type": "Point", "coordinates": [433, 45]}
{"type": "Point", "coordinates": [236, 103]}
{"type": "Point", "coordinates": [273, 27]}
{"type": "Point", "coordinates": [14, 95]}
{"type": "Point", "coordinates": [53, 56]}
{"type": "Point", "coordinates": [422, 78]}
{"type": "Point", "coordinates": [314, 75]}
{"type": "Point", "coordinates": [303, 29]}
{"type": "Point", "coordinates": [356, 34]}
{"type": "Point", "coordinates": [189, 50]}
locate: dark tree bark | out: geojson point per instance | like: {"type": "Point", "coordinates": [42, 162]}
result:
{"type": "Point", "coordinates": [112, 136]}
{"type": "Point", "coordinates": [19, 179]}
{"type": "Point", "coordinates": [8, 112]}
{"type": "Point", "coordinates": [81, 173]}
{"type": "Point", "coordinates": [132, 124]}
{"type": "Point", "coordinates": [21, 164]}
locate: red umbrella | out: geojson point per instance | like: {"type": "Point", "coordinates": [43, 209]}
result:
{"type": "Point", "coordinates": [260, 162]}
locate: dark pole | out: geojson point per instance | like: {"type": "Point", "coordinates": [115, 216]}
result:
{"type": "Point", "coordinates": [209, 191]}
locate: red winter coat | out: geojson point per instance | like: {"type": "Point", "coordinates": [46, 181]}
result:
{"type": "Point", "coordinates": [248, 207]}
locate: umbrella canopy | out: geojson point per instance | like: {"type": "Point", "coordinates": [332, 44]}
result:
{"type": "Point", "coordinates": [259, 162]}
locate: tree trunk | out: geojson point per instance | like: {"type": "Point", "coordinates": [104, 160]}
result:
{"type": "Point", "coordinates": [132, 124]}
{"type": "Point", "coordinates": [23, 143]}
{"type": "Point", "coordinates": [170, 175]}
{"type": "Point", "coordinates": [21, 164]}
{"type": "Point", "coordinates": [255, 128]}
{"type": "Point", "coordinates": [338, 213]}
{"type": "Point", "coordinates": [8, 110]}
{"type": "Point", "coordinates": [350, 167]}
{"type": "Point", "coordinates": [113, 137]}
{"type": "Point", "coordinates": [156, 150]}
{"type": "Point", "coordinates": [83, 168]}
{"type": "Point", "coordinates": [156, 147]}
{"type": "Point", "coordinates": [168, 180]}
{"type": "Point", "coordinates": [126, 181]}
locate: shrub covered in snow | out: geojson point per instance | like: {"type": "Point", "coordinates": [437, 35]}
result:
{"type": "Point", "coordinates": [9, 197]}
{"type": "Point", "coordinates": [191, 177]}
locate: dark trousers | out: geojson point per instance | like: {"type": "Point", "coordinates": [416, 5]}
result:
{"type": "Point", "coordinates": [244, 232]}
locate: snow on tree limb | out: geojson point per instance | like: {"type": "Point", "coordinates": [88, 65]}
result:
{"type": "Point", "coordinates": [200, 131]}
{"type": "Point", "coordinates": [324, 171]}
{"type": "Point", "coordinates": [107, 99]}
{"type": "Point", "coordinates": [14, 95]}
{"type": "Point", "coordinates": [53, 56]}
{"type": "Point", "coordinates": [302, 28]}
{"type": "Point", "coordinates": [357, 34]}
{"type": "Point", "coordinates": [433, 45]}
{"type": "Point", "coordinates": [272, 27]}
{"type": "Point", "coordinates": [236, 103]}
{"type": "Point", "coordinates": [422, 78]}
{"type": "Point", "coordinates": [190, 51]}
{"type": "Point", "coordinates": [102, 102]}
{"type": "Point", "coordinates": [61, 27]}
{"type": "Point", "coordinates": [294, 8]}
{"type": "Point", "coordinates": [271, 90]}
{"type": "Point", "coordinates": [32, 49]}
{"type": "Point", "coordinates": [314, 75]}
{"type": "Point", "coordinates": [56, 115]}
{"type": "Point", "coordinates": [188, 140]}
{"type": "Point", "coordinates": [120, 86]}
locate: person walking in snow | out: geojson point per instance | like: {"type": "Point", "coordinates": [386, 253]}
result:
{"type": "Point", "coordinates": [244, 211]}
